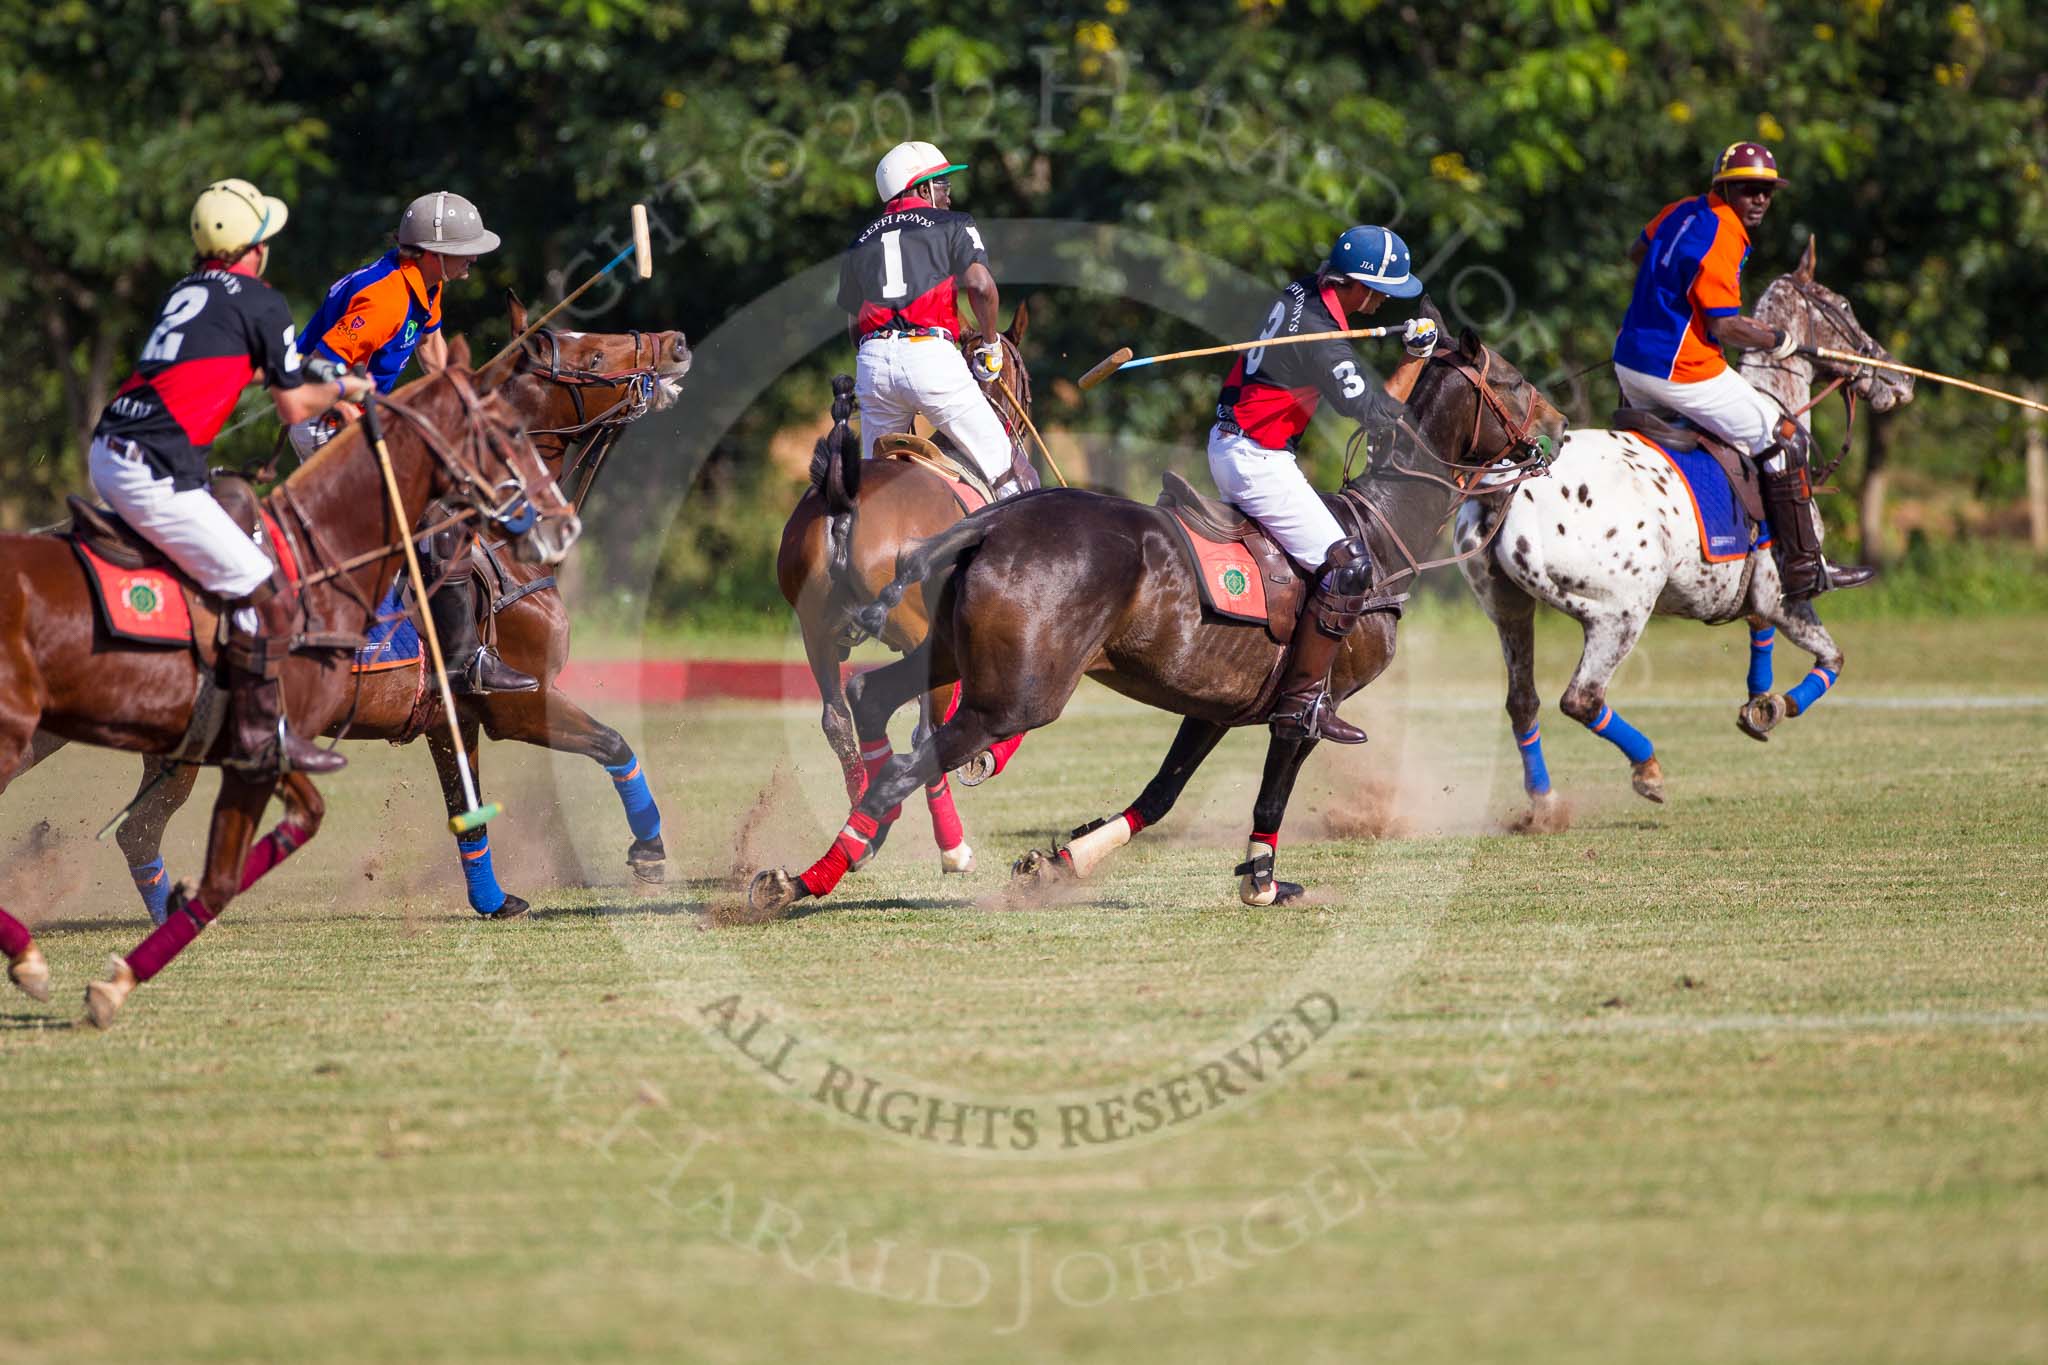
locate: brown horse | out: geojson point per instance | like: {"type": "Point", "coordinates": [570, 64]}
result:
{"type": "Point", "coordinates": [1035, 594]}
{"type": "Point", "coordinates": [62, 672]}
{"type": "Point", "coordinates": [565, 388]}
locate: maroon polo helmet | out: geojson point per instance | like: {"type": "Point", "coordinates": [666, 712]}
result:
{"type": "Point", "coordinates": [1748, 161]}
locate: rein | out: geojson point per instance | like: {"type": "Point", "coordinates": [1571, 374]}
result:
{"type": "Point", "coordinates": [1852, 338]}
{"type": "Point", "coordinates": [639, 382]}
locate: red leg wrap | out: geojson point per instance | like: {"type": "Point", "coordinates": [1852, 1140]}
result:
{"type": "Point", "coordinates": [873, 755]}
{"type": "Point", "coordinates": [822, 876]}
{"type": "Point", "coordinates": [1002, 749]}
{"type": "Point", "coordinates": [1137, 820]}
{"type": "Point", "coordinates": [154, 953]}
{"type": "Point", "coordinates": [272, 849]}
{"type": "Point", "coordinates": [946, 826]}
{"type": "Point", "coordinates": [1271, 841]}
{"type": "Point", "coordinates": [952, 705]}
{"type": "Point", "coordinates": [14, 936]}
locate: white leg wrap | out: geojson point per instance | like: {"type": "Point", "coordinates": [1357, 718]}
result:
{"type": "Point", "coordinates": [1090, 850]}
{"type": "Point", "coordinates": [1247, 888]}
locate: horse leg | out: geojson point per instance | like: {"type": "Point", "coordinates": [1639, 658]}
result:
{"type": "Point", "coordinates": [1255, 882]}
{"type": "Point", "coordinates": [1090, 846]}
{"type": "Point", "coordinates": [165, 789]}
{"type": "Point", "coordinates": [40, 747]}
{"type": "Point", "coordinates": [1513, 612]}
{"type": "Point", "coordinates": [951, 836]}
{"type": "Point", "coordinates": [1766, 709]}
{"type": "Point", "coordinates": [821, 650]}
{"type": "Point", "coordinates": [1609, 638]}
{"type": "Point", "coordinates": [550, 720]}
{"type": "Point", "coordinates": [26, 967]}
{"type": "Point", "coordinates": [235, 813]}
{"type": "Point", "coordinates": [304, 809]}
{"type": "Point", "coordinates": [486, 897]}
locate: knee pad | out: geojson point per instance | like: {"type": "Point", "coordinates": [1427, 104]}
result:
{"type": "Point", "coordinates": [1348, 572]}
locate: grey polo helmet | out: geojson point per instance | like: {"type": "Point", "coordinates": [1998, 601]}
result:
{"type": "Point", "coordinates": [445, 222]}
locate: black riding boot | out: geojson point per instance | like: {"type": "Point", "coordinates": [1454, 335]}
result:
{"type": "Point", "coordinates": [1303, 709]}
{"type": "Point", "coordinates": [473, 667]}
{"type": "Point", "coordinates": [263, 743]}
{"type": "Point", "coordinates": [1795, 526]}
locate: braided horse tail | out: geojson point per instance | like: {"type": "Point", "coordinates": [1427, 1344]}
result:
{"type": "Point", "coordinates": [835, 473]}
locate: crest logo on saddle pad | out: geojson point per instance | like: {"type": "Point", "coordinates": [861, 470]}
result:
{"type": "Point", "coordinates": [1235, 583]}
{"type": "Point", "coordinates": [143, 600]}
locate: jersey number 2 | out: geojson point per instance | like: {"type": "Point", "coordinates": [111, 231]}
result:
{"type": "Point", "coordinates": [179, 309]}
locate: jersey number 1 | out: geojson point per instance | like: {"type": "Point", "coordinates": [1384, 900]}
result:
{"type": "Point", "coordinates": [179, 309]}
{"type": "Point", "coordinates": [894, 286]}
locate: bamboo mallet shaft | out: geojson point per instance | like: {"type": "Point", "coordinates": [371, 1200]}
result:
{"type": "Point", "coordinates": [1031, 427]}
{"type": "Point", "coordinates": [1121, 359]}
{"type": "Point", "coordinates": [1851, 358]}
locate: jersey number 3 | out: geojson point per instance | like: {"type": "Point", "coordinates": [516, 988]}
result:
{"type": "Point", "coordinates": [165, 339]}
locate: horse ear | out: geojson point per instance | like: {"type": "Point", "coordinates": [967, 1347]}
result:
{"type": "Point", "coordinates": [516, 311]}
{"type": "Point", "coordinates": [1805, 270]}
{"type": "Point", "coordinates": [458, 352]}
{"type": "Point", "coordinates": [1020, 322]}
{"type": "Point", "coordinates": [1469, 342]}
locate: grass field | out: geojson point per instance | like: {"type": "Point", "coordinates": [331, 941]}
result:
{"type": "Point", "coordinates": [1758, 1075]}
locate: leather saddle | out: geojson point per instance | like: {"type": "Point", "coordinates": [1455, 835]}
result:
{"type": "Point", "coordinates": [102, 531]}
{"type": "Point", "coordinates": [914, 449]}
{"type": "Point", "coordinates": [1221, 522]}
{"type": "Point", "coordinates": [1670, 431]}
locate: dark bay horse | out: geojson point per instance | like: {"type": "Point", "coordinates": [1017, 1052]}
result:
{"type": "Point", "coordinates": [839, 550]}
{"type": "Point", "coordinates": [1036, 594]}
{"type": "Point", "coordinates": [60, 671]}
{"type": "Point", "coordinates": [565, 388]}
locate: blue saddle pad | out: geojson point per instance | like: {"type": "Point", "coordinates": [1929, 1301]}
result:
{"type": "Point", "coordinates": [394, 642]}
{"type": "Point", "coordinates": [1726, 532]}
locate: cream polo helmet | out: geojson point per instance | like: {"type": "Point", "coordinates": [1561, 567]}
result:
{"type": "Point", "coordinates": [910, 164]}
{"type": "Point", "coordinates": [230, 216]}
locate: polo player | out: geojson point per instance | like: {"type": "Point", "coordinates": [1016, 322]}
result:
{"type": "Point", "coordinates": [1686, 306]}
{"type": "Point", "coordinates": [219, 328]}
{"type": "Point", "coordinates": [380, 316]}
{"type": "Point", "coordinates": [898, 282]}
{"type": "Point", "coordinates": [1265, 406]}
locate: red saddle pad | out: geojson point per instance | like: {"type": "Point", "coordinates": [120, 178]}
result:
{"type": "Point", "coordinates": [144, 605]}
{"type": "Point", "coordinates": [1231, 582]}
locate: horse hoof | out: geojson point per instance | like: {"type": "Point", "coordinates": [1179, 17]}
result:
{"type": "Point", "coordinates": [959, 859]}
{"type": "Point", "coordinates": [1288, 893]}
{"type": "Point", "coordinates": [1761, 715]}
{"type": "Point", "coordinates": [773, 890]}
{"type": "Point", "coordinates": [31, 973]}
{"type": "Point", "coordinates": [1648, 777]}
{"type": "Point", "coordinates": [1040, 868]}
{"type": "Point", "coordinates": [513, 908]}
{"type": "Point", "coordinates": [103, 999]}
{"type": "Point", "coordinates": [648, 861]}
{"type": "Point", "coordinates": [977, 770]}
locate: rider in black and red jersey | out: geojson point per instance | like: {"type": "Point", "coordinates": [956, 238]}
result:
{"type": "Point", "coordinates": [219, 329]}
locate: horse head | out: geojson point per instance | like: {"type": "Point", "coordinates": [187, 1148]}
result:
{"type": "Point", "coordinates": [618, 376]}
{"type": "Point", "coordinates": [1475, 410]}
{"type": "Point", "coordinates": [481, 456]}
{"type": "Point", "coordinates": [1815, 316]}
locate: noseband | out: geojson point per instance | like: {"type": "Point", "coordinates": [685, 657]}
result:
{"type": "Point", "coordinates": [639, 382]}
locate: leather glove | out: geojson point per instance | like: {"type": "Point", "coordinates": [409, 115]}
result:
{"type": "Point", "coordinates": [1421, 336]}
{"type": "Point", "coordinates": [986, 361]}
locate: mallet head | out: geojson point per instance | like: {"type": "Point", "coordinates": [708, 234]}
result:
{"type": "Point", "coordinates": [643, 250]}
{"type": "Point", "coordinates": [1108, 367]}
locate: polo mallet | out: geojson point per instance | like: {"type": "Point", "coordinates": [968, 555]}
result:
{"type": "Point", "coordinates": [477, 816]}
{"type": "Point", "coordinates": [1851, 358]}
{"type": "Point", "coordinates": [640, 249]}
{"type": "Point", "coordinates": [1003, 386]}
{"type": "Point", "coordinates": [1121, 358]}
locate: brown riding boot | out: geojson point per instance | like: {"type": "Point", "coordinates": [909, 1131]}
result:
{"type": "Point", "coordinates": [473, 667]}
{"type": "Point", "coordinates": [1303, 709]}
{"type": "Point", "coordinates": [1795, 525]}
{"type": "Point", "coordinates": [263, 744]}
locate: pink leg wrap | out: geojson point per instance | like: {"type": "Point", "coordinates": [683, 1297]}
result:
{"type": "Point", "coordinates": [14, 936]}
{"type": "Point", "coordinates": [154, 953]}
{"type": "Point", "coordinates": [272, 849]}
{"type": "Point", "coordinates": [946, 826]}
{"type": "Point", "coordinates": [824, 874]}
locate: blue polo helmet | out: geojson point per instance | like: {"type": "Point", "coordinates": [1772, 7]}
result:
{"type": "Point", "coordinates": [1376, 258]}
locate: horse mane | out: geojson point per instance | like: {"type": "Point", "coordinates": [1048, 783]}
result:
{"type": "Point", "coordinates": [346, 444]}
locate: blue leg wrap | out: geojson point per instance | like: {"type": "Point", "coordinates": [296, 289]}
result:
{"type": "Point", "coordinates": [1535, 776]}
{"type": "Point", "coordinates": [1611, 727]}
{"type": "Point", "coordinates": [486, 897]}
{"type": "Point", "coordinates": [155, 889]}
{"type": "Point", "coordinates": [1811, 689]}
{"type": "Point", "coordinates": [1760, 642]}
{"type": "Point", "coordinates": [641, 812]}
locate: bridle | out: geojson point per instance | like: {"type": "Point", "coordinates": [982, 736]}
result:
{"type": "Point", "coordinates": [1819, 301]}
{"type": "Point", "coordinates": [639, 384]}
{"type": "Point", "coordinates": [1522, 456]}
{"type": "Point", "coordinates": [1013, 424]}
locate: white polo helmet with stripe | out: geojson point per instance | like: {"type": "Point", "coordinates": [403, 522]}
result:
{"type": "Point", "coordinates": [908, 165]}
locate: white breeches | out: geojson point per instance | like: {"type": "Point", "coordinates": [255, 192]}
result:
{"type": "Point", "coordinates": [1271, 489]}
{"type": "Point", "coordinates": [189, 526]}
{"type": "Point", "coordinates": [898, 378]}
{"type": "Point", "coordinates": [1725, 405]}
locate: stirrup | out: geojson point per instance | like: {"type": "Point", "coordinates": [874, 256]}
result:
{"type": "Point", "coordinates": [1315, 719]}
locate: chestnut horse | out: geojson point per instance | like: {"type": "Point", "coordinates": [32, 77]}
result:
{"type": "Point", "coordinates": [839, 548]}
{"type": "Point", "coordinates": [565, 387]}
{"type": "Point", "coordinates": [60, 671]}
{"type": "Point", "coordinates": [1035, 594]}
